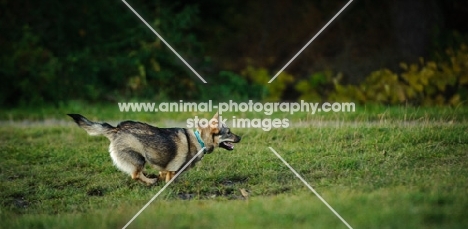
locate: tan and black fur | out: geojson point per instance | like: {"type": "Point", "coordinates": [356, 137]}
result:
{"type": "Point", "coordinates": [133, 144]}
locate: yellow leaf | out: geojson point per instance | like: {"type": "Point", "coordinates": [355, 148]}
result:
{"type": "Point", "coordinates": [404, 66]}
{"type": "Point", "coordinates": [432, 65]}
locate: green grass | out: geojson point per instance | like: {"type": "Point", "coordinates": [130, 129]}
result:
{"type": "Point", "coordinates": [380, 167]}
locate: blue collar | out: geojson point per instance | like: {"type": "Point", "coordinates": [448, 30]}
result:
{"type": "Point", "coordinates": [197, 134]}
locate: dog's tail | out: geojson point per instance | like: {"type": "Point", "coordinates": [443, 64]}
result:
{"type": "Point", "coordinates": [93, 128]}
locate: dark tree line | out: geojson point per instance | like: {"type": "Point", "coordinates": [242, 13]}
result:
{"type": "Point", "coordinates": [54, 51]}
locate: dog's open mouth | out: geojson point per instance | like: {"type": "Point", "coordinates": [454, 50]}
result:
{"type": "Point", "coordinates": [226, 145]}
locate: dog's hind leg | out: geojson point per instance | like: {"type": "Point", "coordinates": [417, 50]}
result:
{"type": "Point", "coordinates": [132, 163]}
{"type": "Point", "coordinates": [138, 175]}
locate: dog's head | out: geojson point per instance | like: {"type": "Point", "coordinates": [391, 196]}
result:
{"type": "Point", "coordinates": [218, 134]}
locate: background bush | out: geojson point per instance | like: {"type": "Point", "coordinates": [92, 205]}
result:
{"type": "Point", "coordinates": [423, 83]}
{"type": "Point", "coordinates": [96, 51]}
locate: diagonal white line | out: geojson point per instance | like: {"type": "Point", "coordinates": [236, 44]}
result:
{"type": "Point", "coordinates": [162, 39]}
{"type": "Point", "coordinates": [310, 187]}
{"type": "Point", "coordinates": [308, 43]}
{"type": "Point", "coordinates": [162, 189]}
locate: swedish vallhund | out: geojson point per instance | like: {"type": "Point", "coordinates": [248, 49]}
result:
{"type": "Point", "coordinates": [133, 144]}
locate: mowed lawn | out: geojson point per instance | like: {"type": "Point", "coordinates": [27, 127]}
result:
{"type": "Point", "coordinates": [384, 168]}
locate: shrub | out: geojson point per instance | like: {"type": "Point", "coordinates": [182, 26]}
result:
{"type": "Point", "coordinates": [270, 91]}
{"type": "Point", "coordinates": [423, 83]}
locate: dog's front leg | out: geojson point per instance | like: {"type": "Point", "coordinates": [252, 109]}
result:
{"type": "Point", "coordinates": [166, 175]}
{"type": "Point", "coordinates": [170, 175]}
{"type": "Point", "coordinates": [162, 175]}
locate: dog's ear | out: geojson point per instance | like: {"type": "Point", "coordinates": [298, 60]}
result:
{"type": "Point", "coordinates": [214, 124]}
{"type": "Point", "coordinates": [216, 116]}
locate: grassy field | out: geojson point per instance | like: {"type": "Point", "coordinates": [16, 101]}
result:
{"type": "Point", "coordinates": [379, 167]}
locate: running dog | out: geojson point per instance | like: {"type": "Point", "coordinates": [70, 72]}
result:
{"type": "Point", "coordinates": [133, 144]}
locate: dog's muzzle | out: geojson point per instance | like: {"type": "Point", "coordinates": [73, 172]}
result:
{"type": "Point", "coordinates": [227, 144]}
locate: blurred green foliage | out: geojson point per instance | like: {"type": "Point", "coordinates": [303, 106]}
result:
{"type": "Point", "coordinates": [104, 54]}
{"type": "Point", "coordinates": [96, 51]}
{"type": "Point", "coordinates": [269, 91]}
{"type": "Point", "coordinates": [317, 86]}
